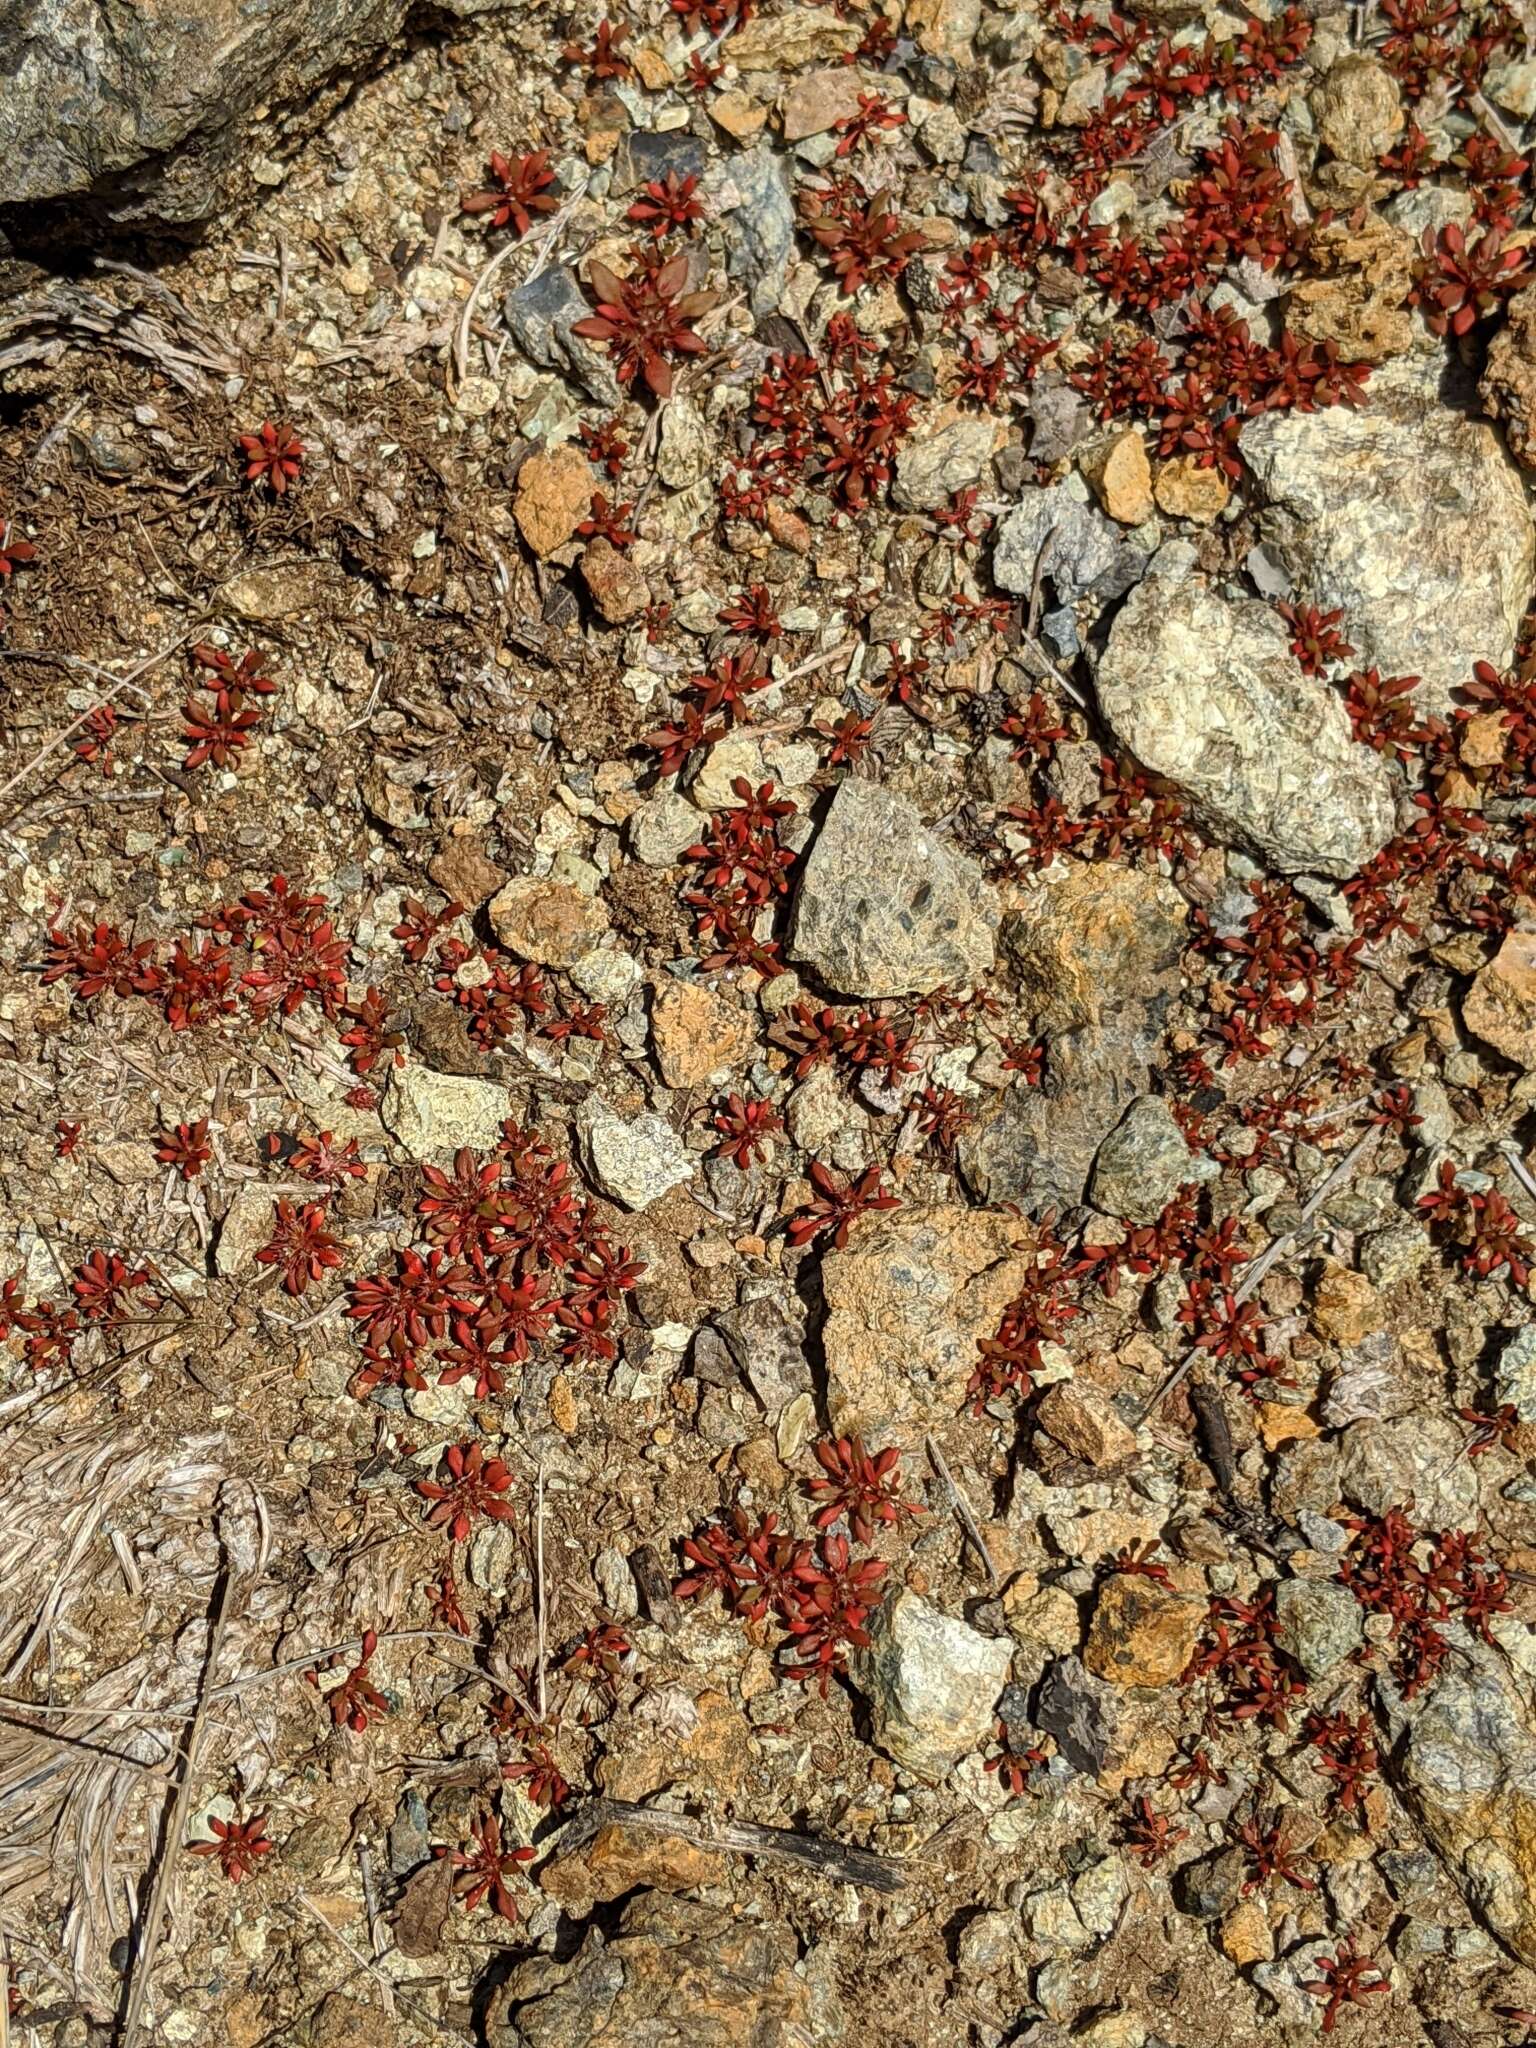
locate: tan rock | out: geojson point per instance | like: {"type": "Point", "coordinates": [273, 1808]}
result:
{"type": "Point", "coordinates": [908, 1301]}
{"type": "Point", "coordinates": [1121, 476]}
{"type": "Point", "coordinates": [655, 73]}
{"type": "Point", "coordinates": [1093, 941]}
{"type": "Point", "coordinates": [789, 529]}
{"type": "Point", "coordinates": [1358, 109]}
{"type": "Point", "coordinates": [1186, 491]}
{"type": "Point", "coordinates": [1346, 1307]}
{"type": "Point", "coordinates": [672, 1970]}
{"type": "Point", "coordinates": [460, 867]}
{"type": "Point", "coordinates": [1142, 1633]}
{"type": "Point", "coordinates": [819, 100]}
{"type": "Point", "coordinates": [1500, 1006]}
{"type": "Point", "coordinates": [549, 922]}
{"type": "Point", "coordinates": [787, 42]}
{"type": "Point", "coordinates": [622, 1859]}
{"type": "Point", "coordinates": [563, 1412]}
{"type": "Point", "coordinates": [1246, 1936]}
{"type": "Point", "coordinates": [697, 1033]}
{"type": "Point", "coordinates": [1082, 1419]}
{"type": "Point", "coordinates": [1481, 742]}
{"type": "Point", "coordinates": [618, 589]}
{"type": "Point", "coordinates": [1508, 388]}
{"type": "Point", "coordinates": [554, 495]}
{"type": "Point", "coordinates": [1280, 1423]}
{"type": "Point", "coordinates": [1360, 272]}
{"type": "Point", "coordinates": [944, 28]}
{"type": "Point", "coordinates": [739, 115]}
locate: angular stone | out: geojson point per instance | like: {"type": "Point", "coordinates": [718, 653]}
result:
{"type": "Point", "coordinates": [635, 1160]}
{"type": "Point", "coordinates": [934, 464]}
{"type": "Point", "coordinates": [1345, 1306]}
{"type": "Point", "coordinates": [1358, 109]}
{"type": "Point", "coordinates": [1121, 476]}
{"type": "Point", "coordinates": [1508, 388]}
{"type": "Point", "coordinates": [1097, 942]}
{"type": "Point", "coordinates": [908, 1300]}
{"type": "Point", "coordinates": [549, 922]}
{"type": "Point", "coordinates": [1463, 1754]}
{"type": "Point", "coordinates": [1082, 1419]}
{"type": "Point", "coordinates": [819, 100]}
{"type": "Point", "coordinates": [662, 829]}
{"type": "Point", "coordinates": [1319, 1623]}
{"type": "Point", "coordinates": [540, 317]}
{"type": "Point", "coordinates": [1207, 693]}
{"type": "Point", "coordinates": [620, 1859]}
{"type": "Point", "coordinates": [1514, 1377]}
{"type": "Point", "coordinates": [618, 589]}
{"type": "Point", "coordinates": [432, 1115]}
{"type": "Point", "coordinates": [1037, 1147]}
{"type": "Point", "coordinates": [672, 1968]}
{"type": "Point", "coordinates": [697, 1033]}
{"type": "Point", "coordinates": [750, 192]}
{"type": "Point", "coordinates": [1143, 1163]}
{"type": "Point", "coordinates": [1355, 293]}
{"type": "Point", "coordinates": [1083, 552]}
{"type": "Point", "coordinates": [1084, 1713]}
{"type": "Point", "coordinates": [1142, 1633]}
{"type": "Point", "coordinates": [932, 1683]}
{"type": "Point", "coordinates": [1186, 491]}
{"type": "Point", "coordinates": [787, 42]}
{"type": "Point", "coordinates": [1500, 1006]}
{"type": "Point", "coordinates": [883, 907]}
{"type": "Point", "coordinates": [554, 494]}
{"type": "Point", "coordinates": [1408, 515]}
{"type": "Point", "coordinates": [1416, 1458]}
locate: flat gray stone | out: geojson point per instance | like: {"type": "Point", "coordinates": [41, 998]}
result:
{"type": "Point", "coordinates": [1207, 693]}
{"type": "Point", "coordinates": [932, 1682]}
{"type": "Point", "coordinates": [884, 907]}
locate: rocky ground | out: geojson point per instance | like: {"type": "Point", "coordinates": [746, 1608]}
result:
{"type": "Point", "coordinates": [769, 1024]}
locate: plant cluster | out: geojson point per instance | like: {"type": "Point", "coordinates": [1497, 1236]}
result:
{"type": "Point", "coordinates": [1420, 1581]}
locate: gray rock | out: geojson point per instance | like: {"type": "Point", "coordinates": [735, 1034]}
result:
{"type": "Point", "coordinates": [1086, 554]}
{"type": "Point", "coordinates": [432, 1115]}
{"type": "Point", "coordinates": [766, 1342]}
{"type": "Point", "coordinates": [1082, 1712]}
{"type": "Point", "coordinates": [1463, 1754]}
{"type": "Point", "coordinates": [1411, 1458]}
{"type": "Point", "coordinates": [636, 1161]}
{"type": "Point", "coordinates": [1207, 693]}
{"type": "Point", "coordinates": [1409, 515]}
{"type": "Point", "coordinates": [1050, 1918]}
{"type": "Point", "coordinates": [1210, 1885]}
{"type": "Point", "coordinates": [751, 194]}
{"type": "Point", "coordinates": [662, 828]}
{"type": "Point", "coordinates": [1038, 1146]}
{"type": "Point", "coordinates": [540, 316]}
{"type": "Point", "coordinates": [886, 909]}
{"type": "Point", "coordinates": [1514, 1377]}
{"type": "Point", "coordinates": [931, 1682]}
{"type": "Point", "coordinates": [1389, 1257]}
{"type": "Point", "coordinates": [644, 154]}
{"type": "Point", "coordinates": [245, 1227]}
{"type": "Point", "coordinates": [1320, 1623]}
{"type": "Point", "coordinates": [1369, 1384]}
{"type": "Point", "coordinates": [932, 468]}
{"type": "Point", "coordinates": [1144, 1162]}
{"type": "Point", "coordinates": [145, 113]}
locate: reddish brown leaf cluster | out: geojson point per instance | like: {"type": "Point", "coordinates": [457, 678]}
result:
{"type": "Point", "coordinates": [819, 1593]}
{"type": "Point", "coordinates": [238, 1845]}
{"type": "Point", "coordinates": [514, 1257]}
{"type": "Point", "coordinates": [273, 455]}
{"type": "Point", "coordinates": [520, 187]}
{"type": "Point", "coordinates": [1420, 1581]}
{"type": "Point", "coordinates": [356, 1700]}
{"type": "Point", "coordinates": [646, 320]}
{"type": "Point", "coordinates": [864, 1489]}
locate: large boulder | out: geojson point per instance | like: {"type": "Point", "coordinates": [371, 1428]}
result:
{"type": "Point", "coordinates": [143, 113]}
{"type": "Point", "coordinates": [1410, 516]}
{"type": "Point", "coordinates": [1205, 692]}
